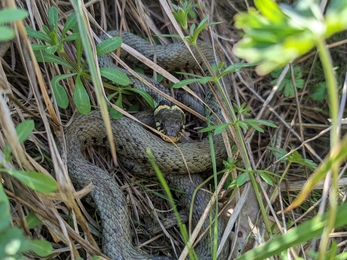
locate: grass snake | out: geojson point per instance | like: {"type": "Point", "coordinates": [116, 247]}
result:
{"type": "Point", "coordinates": [131, 141]}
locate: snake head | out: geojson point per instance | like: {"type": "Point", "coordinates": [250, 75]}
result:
{"type": "Point", "coordinates": [170, 121]}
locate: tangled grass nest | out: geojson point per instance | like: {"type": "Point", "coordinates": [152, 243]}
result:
{"type": "Point", "coordinates": [27, 94]}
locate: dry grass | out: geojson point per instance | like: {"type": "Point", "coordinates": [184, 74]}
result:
{"type": "Point", "coordinates": [26, 93]}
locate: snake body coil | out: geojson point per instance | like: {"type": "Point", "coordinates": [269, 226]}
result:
{"type": "Point", "coordinates": [131, 141]}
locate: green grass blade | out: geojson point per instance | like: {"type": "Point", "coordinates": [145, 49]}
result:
{"type": "Point", "coordinates": [302, 233]}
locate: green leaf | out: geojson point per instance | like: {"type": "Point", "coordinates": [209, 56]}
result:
{"type": "Point", "coordinates": [60, 96]}
{"type": "Point", "coordinates": [270, 10]}
{"type": "Point", "coordinates": [34, 180]}
{"type": "Point", "coordinates": [295, 157]}
{"type": "Point", "coordinates": [7, 153]}
{"type": "Point", "coordinates": [70, 23]}
{"type": "Point", "coordinates": [139, 70]}
{"type": "Point", "coordinates": [186, 82]}
{"type": "Point", "coordinates": [242, 109]}
{"type": "Point", "coordinates": [6, 33]}
{"type": "Point", "coordinates": [230, 164]}
{"type": "Point", "coordinates": [32, 220]}
{"type": "Point", "coordinates": [13, 242]}
{"type": "Point", "coordinates": [279, 153]}
{"type": "Point", "coordinates": [341, 256]}
{"type": "Point", "coordinates": [320, 92]}
{"type": "Point", "coordinates": [254, 123]}
{"type": "Point", "coordinates": [108, 45]}
{"type": "Point", "coordinates": [202, 25]}
{"type": "Point", "coordinates": [194, 33]}
{"type": "Point", "coordinates": [38, 35]}
{"type": "Point", "coordinates": [10, 15]}
{"type": "Point", "coordinates": [119, 103]}
{"type": "Point", "coordinates": [208, 129]}
{"type": "Point", "coordinates": [181, 12]}
{"type": "Point", "coordinates": [235, 67]}
{"type": "Point", "coordinates": [59, 91]}
{"type": "Point", "coordinates": [255, 127]}
{"type": "Point", "coordinates": [54, 37]}
{"type": "Point", "coordinates": [24, 129]}
{"type": "Point", "coordinates": [307, 15]}
{"type": "Point", "coordinates": [192, 14]}
{"type": "Point", "coordinates": [263, 122]}
{"type": "Point", "coordinates": [81, 97]}
{"type": "Point", "coordinates": [40, 247]}
{"type": "Point", "coordinates": [295, 236]}
{"type": "Point", "coordinates": [72, 37]}
{"type": "Point", "coordinates": [220, 128]}
{"type": "Point", "coordinates": [115, 75]}
{"type": "Point", "coordinates": [192, 39]}
{"type": "Point", "coordinates": [287, 84]}
{"type": "Point", "coordinates": [159, 77]}
{"type": "Point", "coordinates": [46, 57]}
{"type": "Point", "coordinates": [241, 179]}
{"type": "Point", "coordinates": [135, 107]}
{"type": "Point", "coordinates": [191, 75]}
{"type": "Point", "coordinates": [275, 41]}
{"type": "Point", "coordinates": [217, 129]}
{"type": "Point", "coordinates": [38, 47]}
{"type": "Point", "coordinates": [5, 216]}
{"type": "Point", "coordinates": [144, 95]}
{"type": "Point", "coordinates": [46, 30]}
{"type": "Point", "coordinates": [336, 17]}
{"type": "Point", "coordinates": [53, 18]}
{"type": "Point", "coordinates": [51, 49]}
{"type": "Point", "coordinates": [241, 124]}
{"type": "Point", "coordinates": [264, 175]}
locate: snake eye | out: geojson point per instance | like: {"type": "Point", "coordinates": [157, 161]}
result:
{"type": "Point", "coordinates": [162, 127]}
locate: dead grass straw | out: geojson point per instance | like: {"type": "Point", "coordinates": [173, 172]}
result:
{"type": "Point", "coordinates": [26, 93]}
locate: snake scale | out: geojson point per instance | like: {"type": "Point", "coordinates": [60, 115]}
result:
{"type": "Point", "coordinates": [131, 141]}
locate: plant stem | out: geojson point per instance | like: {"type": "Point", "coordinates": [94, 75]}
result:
{"type": "Point", "coordinates": [237, 132]}
{"type": "Point", "coordinates": [243, 151]}
{"type": "Point", "coordinates": [334, 138]}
